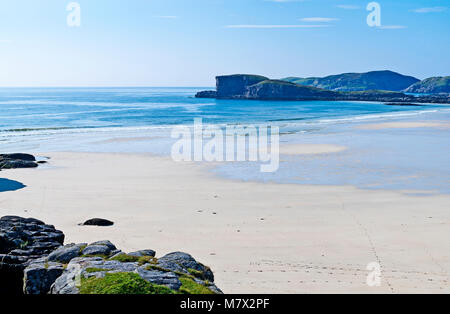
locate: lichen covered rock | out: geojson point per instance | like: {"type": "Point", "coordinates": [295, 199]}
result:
{"type": "Point", "coordinates": [174, 273]}
{"type": "Point", "coordinates": [34, 261]}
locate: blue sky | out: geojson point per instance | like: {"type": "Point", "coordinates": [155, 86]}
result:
{"type": "Point", "coordinates": [188, 42]}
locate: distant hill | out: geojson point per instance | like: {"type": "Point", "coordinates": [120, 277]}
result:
{"type": "Point", "coordinates": [276, 89]}
{"type": "Point", "coordinates": [349, 82]}
{"type": "Point", "coordinates": [432, 85]}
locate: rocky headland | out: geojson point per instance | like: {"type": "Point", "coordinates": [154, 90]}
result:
{"type": "Point", "coordinates": [255, 87]}
{"type": "Point", "coordinates": [34, 260]}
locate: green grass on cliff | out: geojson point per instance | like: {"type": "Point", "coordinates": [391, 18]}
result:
{"type": "Point", "coordinates": [121, 283]}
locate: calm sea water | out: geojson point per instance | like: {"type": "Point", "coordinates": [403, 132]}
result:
{"type": "Point", "coordinates": [87, 119]}
{"type": "Point", "coordinates": [40, 109]}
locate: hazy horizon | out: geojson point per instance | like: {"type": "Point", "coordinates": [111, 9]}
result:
{"type": "Point", "coordinates": [172, 43]}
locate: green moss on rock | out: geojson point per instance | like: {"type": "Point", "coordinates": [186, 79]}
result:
{"type": "Point", "coordinates": [141, 260]}
{"type": "Point", "coordinates": [157, 268]}
{"type": "Point", "coordinates": [121, 283]}
{"type": "Point", "coordinates": [197, 274]}
{"type": "Point", "coordinates": [95, 270]}
{"type": "Point", "coordinates": [189, 286]}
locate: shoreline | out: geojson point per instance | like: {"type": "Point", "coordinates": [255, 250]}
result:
{"type": "Point", "coordinates": [405, 125]}
{"type": "Point", "coordinates": [274, 238]}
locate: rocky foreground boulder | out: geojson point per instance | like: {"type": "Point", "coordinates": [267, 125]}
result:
{"type": "Point", "coordinates": [22, 241]}
{"type": "Point", "coordinates": [96, 268]}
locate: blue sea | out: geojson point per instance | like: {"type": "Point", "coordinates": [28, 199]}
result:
{"type": "Point", "coordinates": [40, 120]}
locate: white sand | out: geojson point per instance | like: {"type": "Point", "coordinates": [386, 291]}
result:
{"type": "Point", "coordinates": [404, 125]}
{"type": "Point", "coordinates": [311, 239]}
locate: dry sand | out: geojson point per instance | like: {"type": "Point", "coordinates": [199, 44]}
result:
{"type": "Point", "coordinates": [258, 238]}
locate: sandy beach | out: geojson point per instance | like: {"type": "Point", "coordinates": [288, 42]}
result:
{"type": "Point", "coordinates": [257, 237]}
{"type": "Point", "coordinates": [224, 148]}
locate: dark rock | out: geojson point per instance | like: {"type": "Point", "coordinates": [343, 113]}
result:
{"type": "Point", "coordinates": [23, 157]}
{"type": "Point", "coordinates": [98, 222]}
{"type": "Point", "coordinates": [65, 254]}
{"type": "Point", "coordinates": [115, 253]}
{"type": "Point", "coordinates": [107, 243]}
{"type": "Point", "coordinates": [39, 277]}
{"type": "Point", "coordinates": [23, 240]}
{"type": "Point", "coordinates": [207, 94]}
{"type": "Point", "coordinates": [185, 263]}
{"type": "Point", "coordinates": [16, 164]}
{"type": "Point", "coordinates": [96, 250]}
{"type": "Point", "coordinates": [156, 277]}
{"type": "Point", "coordinates": [140, 253]}
{"type": "Point", "coordinates": [14, 161]}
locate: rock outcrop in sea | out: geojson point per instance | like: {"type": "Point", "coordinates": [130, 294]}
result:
{"type": "Point", "coordinates": [33, 260]}
{"type": "Point", "coordinates": [255, 87]}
